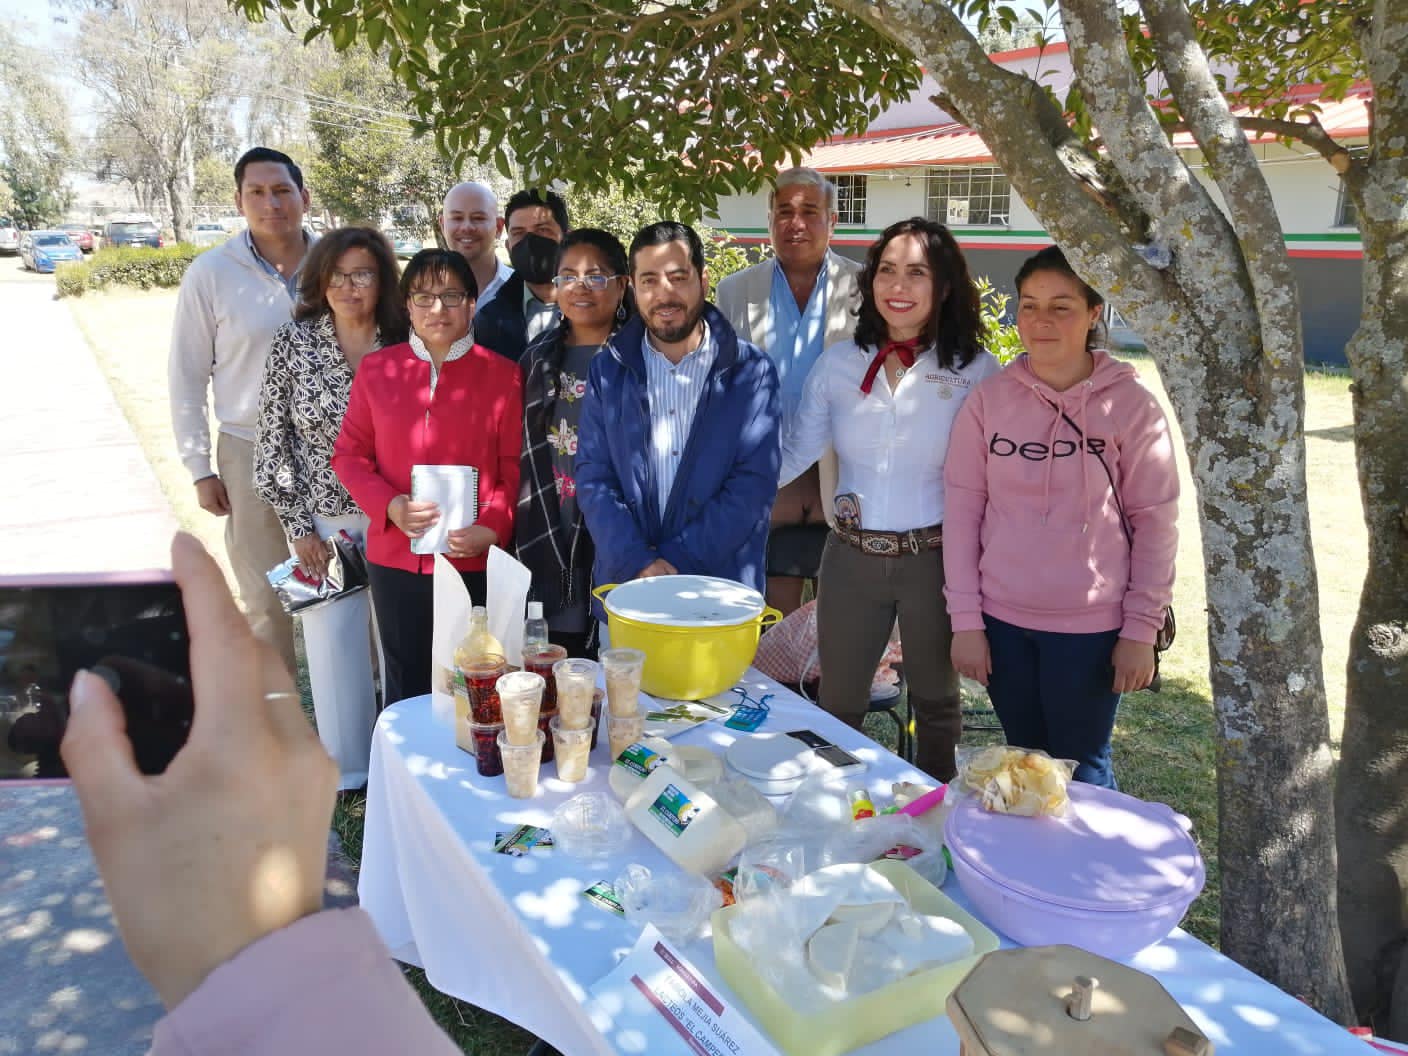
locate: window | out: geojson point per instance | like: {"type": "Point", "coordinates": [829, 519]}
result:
{"type": "Point", "coordinates": [850, 199]}
{"type": "Point", "coordinates": [1344, 210]}
{"type": "Point", "coordinates": [979, 195]}
{"type": "Point", "coordinates": [1345, 215]}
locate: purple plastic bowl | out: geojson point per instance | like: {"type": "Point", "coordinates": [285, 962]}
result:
{"type": "Point", "coordinates": [1113, 876]}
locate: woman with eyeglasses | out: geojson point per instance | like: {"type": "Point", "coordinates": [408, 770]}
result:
{"type": "Point", "coordinates": [437, 399]}
{"type": "Point", "coordinates": [348, 306]}
{"type": "Point", "coordinates": [552, 538]}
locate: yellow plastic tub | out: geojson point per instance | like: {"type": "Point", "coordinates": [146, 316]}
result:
{"type": "Point", "coordinates": [698, 633]}
{"type": "Point", "coordinates": [849, 1024]}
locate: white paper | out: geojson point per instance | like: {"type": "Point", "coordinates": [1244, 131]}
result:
{"type": "Point", "coordinates": [455, 489]}
{"type": "Point", "coordinates": [451, 624]}
{"type": "Point", "coordinates": [656, 1002]}
{"type": "Point", "coordinates": [509, 581]}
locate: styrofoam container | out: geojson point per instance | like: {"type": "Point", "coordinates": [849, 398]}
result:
{"type": "Point", "coordinates": [1113, 876]}
{"type": "Point", "coordinates": [856, 1021]}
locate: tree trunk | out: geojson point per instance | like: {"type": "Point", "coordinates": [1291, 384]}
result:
{"type": "Point", "coordinates": [180, 190]}
{"type": "Point", "coordinates": [1229, 354]}
{"type": "Point", "coordinates": [1371, 795]}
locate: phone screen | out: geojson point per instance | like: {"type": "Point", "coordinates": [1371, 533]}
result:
{"type": "Point", "coordinates": [130, 632]}
{"type": "Point", "coordinates": [838, 756]}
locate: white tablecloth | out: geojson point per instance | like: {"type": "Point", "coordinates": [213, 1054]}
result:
{"type": "Point", "coordinates": [516, 937]}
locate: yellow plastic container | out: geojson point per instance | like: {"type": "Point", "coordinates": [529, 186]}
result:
{"type": "Point", "coordinates": [848, 1025]}
{"type": "Point", "coordinates": [698, 633]}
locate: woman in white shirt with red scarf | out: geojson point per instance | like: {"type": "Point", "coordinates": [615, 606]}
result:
{"type": "Point", "coordinates": [886, 402]}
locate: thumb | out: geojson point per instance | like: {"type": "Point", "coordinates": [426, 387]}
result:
{"type": "Point", "coordinates": [95, 747]}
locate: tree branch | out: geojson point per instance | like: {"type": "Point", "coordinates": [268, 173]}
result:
{"type": "Point", "coordinates": [1238, 175]}
{"type": "Point", "coordinates": [997, 103]}
{"type": "Point", "coordinates": [1313, 135]}
{"type": "Point", "coordinates": [1139, 149]}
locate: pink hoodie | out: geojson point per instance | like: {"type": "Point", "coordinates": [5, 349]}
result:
{"type": "Point", "coordinates": [1032, 535]}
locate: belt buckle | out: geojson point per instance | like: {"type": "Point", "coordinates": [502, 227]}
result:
{"type": "Point", "coordinates": [914, 541]}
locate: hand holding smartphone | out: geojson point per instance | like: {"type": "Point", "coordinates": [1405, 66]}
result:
{"type": "Point", "coordinates": [129, 630]}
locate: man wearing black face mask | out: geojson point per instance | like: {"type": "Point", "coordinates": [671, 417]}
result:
{"type": "Point", "coordinates": [526, 305]}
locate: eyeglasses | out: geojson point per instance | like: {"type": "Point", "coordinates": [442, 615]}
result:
{"type": "Point", "coordinates": [361, 278]}
{"type": "Point", "coordinates": [449, 298]}
{"type": "Point", "coordinates": [591, 282]}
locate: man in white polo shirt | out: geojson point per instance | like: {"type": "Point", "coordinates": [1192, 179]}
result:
{"type": "Point", "coordinates": [232, 299]}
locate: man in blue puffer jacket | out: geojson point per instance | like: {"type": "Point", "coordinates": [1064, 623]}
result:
{"type": "Point", "coordinates": [678, 447]}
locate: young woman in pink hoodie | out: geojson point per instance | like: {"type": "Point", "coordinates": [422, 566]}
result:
{"type": "Point", "coordinates": [1061, 527]}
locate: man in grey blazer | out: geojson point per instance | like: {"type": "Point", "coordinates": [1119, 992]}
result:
{"type": "Point", "coordinates": [793, 306]}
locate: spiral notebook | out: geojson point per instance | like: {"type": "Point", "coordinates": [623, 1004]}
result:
{"type": "Point", "coordinates": [456, 490]}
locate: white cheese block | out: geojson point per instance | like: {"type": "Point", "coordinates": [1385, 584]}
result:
{"type": "Point", "coordinates": [831, 954]}
{"type": "Point", "coordinates": [867, 918]}
{"type": "Point", "coordinates": [685, 822]}
{"type": "Point", "coordinates": [917, 941]}
{"type": "Point", "coordinates": [698, 764]}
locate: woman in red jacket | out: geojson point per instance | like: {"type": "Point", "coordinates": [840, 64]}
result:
{"type": "Point", "coordinates": [440, 400]}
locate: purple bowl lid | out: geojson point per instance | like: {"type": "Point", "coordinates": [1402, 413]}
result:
{"type": "Point", "coordinates": [1110, 853]}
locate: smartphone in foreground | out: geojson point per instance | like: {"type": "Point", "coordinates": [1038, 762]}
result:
{"type": "Point", "coordinates": [129, 629]}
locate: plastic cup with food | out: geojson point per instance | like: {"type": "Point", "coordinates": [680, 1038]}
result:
{"type": "Point", "coordinates": [576, 682]}
{"type": "Point", "coordinates": [623, 669]}
{"type": "Point", "coordinates": [481, 676]}
{"type": "Point", "coordinates": [521, 763]}
{"type": "Point", "coordinates": [520, 697]}
{"type": "Point", "coordinates": [571, 750]}
{"type": "Point", "coordinates": [486, 748]}
{"type": "Point", "coordinates": [622, 731]}
{"type": "Point", "coordinates": [544, 718]}
{"type": "Point", "coordinates": [540, 659]}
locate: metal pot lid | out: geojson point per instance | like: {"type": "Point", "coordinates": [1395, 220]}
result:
{"type": "Point", "coordinates": [685, 601]}
{"type": "Point", "coordinates": [1110, 853]}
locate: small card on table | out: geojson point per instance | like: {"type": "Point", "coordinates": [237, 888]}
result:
{"type": "Point", "coordinates": [521, 840]}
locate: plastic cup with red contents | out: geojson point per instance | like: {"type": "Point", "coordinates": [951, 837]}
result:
{"type": "Point", "coordinates": [544, 719]}
{"type": "Point", "coordinates": [486, 748]}
{"type": "Point", "coordinates": [481, 678]}
{"type": "Point", "coordinates": [540, 659]}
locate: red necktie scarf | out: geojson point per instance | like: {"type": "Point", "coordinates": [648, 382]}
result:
{"type": "Point", "coordinates": [906, 350]}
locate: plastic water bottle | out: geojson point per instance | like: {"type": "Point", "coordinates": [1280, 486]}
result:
{"type": "Point", "coordinates": [535, 628]}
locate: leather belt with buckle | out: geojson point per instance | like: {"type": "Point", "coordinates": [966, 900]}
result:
{"type": "Point", "coordinates": [892, 544]}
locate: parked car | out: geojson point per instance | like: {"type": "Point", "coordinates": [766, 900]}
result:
{"type": "Point", "coordinates": [209, 234]}
{"type": "Point", "coordinates": [406, 246]}
{"type": "Point", "coordinates": [81, 236]}
{"type": "Point", "coordinates": [9, 236]}
{"type": "Point", "coordinates": [132, 233]}
{"type": "Point", "coordinates": [45, 250]}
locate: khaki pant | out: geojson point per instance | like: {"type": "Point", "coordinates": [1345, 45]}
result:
{"type": "Point", "coordinates": [255, 541]}
{"type": "Point", "coordinates": [859, 598]}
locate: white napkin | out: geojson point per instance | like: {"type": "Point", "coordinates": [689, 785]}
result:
{"type": "Point", "coordinates": [452, 605]}
{"type": "Point", "coordinates": [509, 580]}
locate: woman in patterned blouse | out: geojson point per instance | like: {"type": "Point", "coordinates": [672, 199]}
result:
{"type": "Point", "coordinates": [551, 536]}
{"type": "Point", "coordinates": [348, 306]}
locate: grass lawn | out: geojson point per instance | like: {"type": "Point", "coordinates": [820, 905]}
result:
{"type": "Point", "coordinates": [1163, 743]}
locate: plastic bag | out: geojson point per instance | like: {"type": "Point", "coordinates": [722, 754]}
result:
{"type": "Point", "coordinates": [1008, 780]}
{"type": "Point", "coordinates": [770, 865]}
{"type": "Point", "coordinates": [676, 903]}
{"type": "Point", "coordinates": [894, 836]}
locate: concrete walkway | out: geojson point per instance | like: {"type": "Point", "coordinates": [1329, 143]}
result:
{"type": "Point", "coordinates": [76, 492]}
